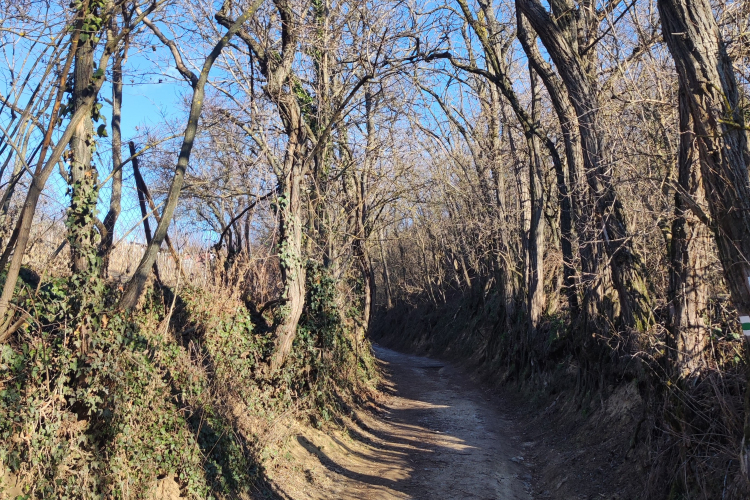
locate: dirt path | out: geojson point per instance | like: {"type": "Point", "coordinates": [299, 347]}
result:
{"type": "Point", "coordinates": [435, 436]}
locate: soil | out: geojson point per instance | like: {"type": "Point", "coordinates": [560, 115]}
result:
{"type": "Point", "coordinates": [431, 434]}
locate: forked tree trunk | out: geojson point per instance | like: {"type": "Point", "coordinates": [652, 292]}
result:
{"type": "Point", "coordinates": [560, 35]}
{"type": "Point", "coordinates": [707, 76]}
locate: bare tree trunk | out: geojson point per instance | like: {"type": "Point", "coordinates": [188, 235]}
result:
{"type": "Point", "coordinates": [535, 273]}
{"type": "Point", "coordinates": [143, 191]}
{"type": "Point", "coordinates": [137, 285]}
{"type": "Point", "coordinates": [689, 251]}
{"type": "Point", "coordinates": [15, 177]}
{"type": "Point", "coordinates": [277, 69]}
{"type": "Point", "coordinates": [139, 187]}
{"type": "Point", "coordinates": [560, 36]}
{"type": "Point", "coordinates": [115, 206]}
{"type": "Point", "coordinates": [490, 35]}
{"type": "Point", "coordinates": [707, 77]}
{"type": "Point", "coordinates": [507, 275]}
{"type": "Point", "coordinates": [426, 269]}
{"type": "Point", "coordinates": [246, 225]}
{"type": "Point", "coordinates": [368, 277]}
{"type": "Point", "coordinates": [386, 274]}
{"type": "Point", "coordinates": [361, 235]}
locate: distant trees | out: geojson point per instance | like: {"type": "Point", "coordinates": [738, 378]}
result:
{"type": "Point", "coordinates": [621, 177]}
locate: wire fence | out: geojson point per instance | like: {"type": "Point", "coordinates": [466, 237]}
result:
{"type": "Point", "coordinates": [48, 252]}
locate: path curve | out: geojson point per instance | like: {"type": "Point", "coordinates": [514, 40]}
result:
{"type": "Point", "coordinates": [433, 435]}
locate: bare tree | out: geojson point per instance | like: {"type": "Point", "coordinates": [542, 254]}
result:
{"type": "Point", "coordinates": [569, 35]}
{"type": "Point", "coordinates": [137, 283]}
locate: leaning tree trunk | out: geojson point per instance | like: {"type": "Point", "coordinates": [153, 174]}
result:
{"type": "Point", "coordinates": [706, 74]}
{"type": "Point", "coordinates": [141, 193]}
{"type": "Point", "coordinates": [688, 252]}
{"type": "Point", "coordinates": [137, 284]}
{"type": "Point", "coordinates": [560, 37]}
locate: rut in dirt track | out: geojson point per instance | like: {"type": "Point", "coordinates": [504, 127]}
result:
{"type": "Point", "coordinates": [435, 435]}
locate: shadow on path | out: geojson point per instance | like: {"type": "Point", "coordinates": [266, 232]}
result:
{"type": "Point", "coordinates": [432, 435]}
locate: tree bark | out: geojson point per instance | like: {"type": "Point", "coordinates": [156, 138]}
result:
{"type": "Point", "coordinates": [535, 274]}
{"type": "Point", "coordinates": [706, 74]}
{"type": "Point", "coordinates": [20, 237]}
{"type": "Point", "coordinates": [143, 191]}
{"type": "Point", "coordinates": [277, 69]}
{"type": "Point", "coordinates": [44, 166]}
{"type": "Point", "coordinates": [689, 251]}
{"type": "Point", "coordinates": [560, 36]}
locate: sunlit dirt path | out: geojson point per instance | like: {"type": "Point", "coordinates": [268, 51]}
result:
{"type": "Point", "coordinates": [434, 435]}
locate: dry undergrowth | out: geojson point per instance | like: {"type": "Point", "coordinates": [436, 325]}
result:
{"type": "Point", "coordinates": [626, 429]}
{"type": "Point", "coordinates": [175, 398]}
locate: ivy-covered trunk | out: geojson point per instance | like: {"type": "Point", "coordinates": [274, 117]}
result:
{"type": "Point", "coordinates": [82, 234]}
{"type": "Point", "coordinates": [290, 256]}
